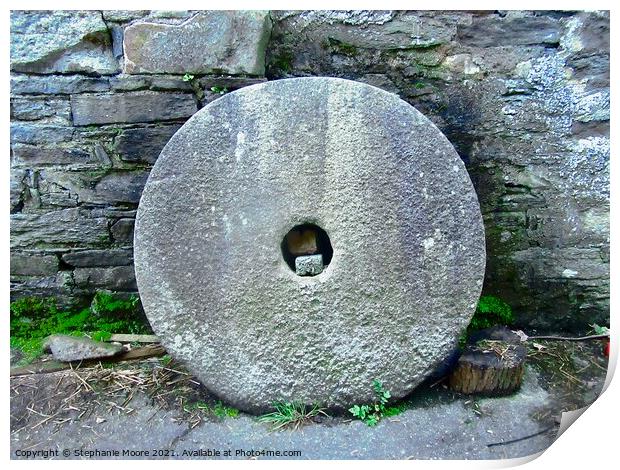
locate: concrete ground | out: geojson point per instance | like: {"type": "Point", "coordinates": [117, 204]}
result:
{"type": "Point", "coordinates": [154, 409]}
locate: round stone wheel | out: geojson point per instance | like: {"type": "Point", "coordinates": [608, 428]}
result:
{"type": "Point", "coordinates": [367, 182]}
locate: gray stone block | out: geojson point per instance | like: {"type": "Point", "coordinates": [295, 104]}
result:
{"type": "Point", "coordinates": [309, 265]}
{"type": "Point", "coordinates": [99, 258]}
{"type": "Point", "coordinates": [117, 278]}
{"type": "Point", "coordinates": [143, 144]}
{"type": "Point", "coordinates": [59, 286]}
{"type": "Point", "coordinates": [122, 231]}
{"type": "Point", "coordinates": [117, 41]}
{"type": "Point", "coordinates": [95, 188]}
{"type": "Point", "coordinates": [149, 82]}
{"type": "Point", "coordinates": [17, 189]}
{"type": "Point", "coordinates": [33, 264]}
{"type": "Point", "coordinates": [40, 133]}
{"type": "Point", "coordinates": [57, 84]}
{"type": "Point", "coordinates": [32, 109]}
{"type": "Point", "coordinates": [118, 187]}
{"type": "Point", "coordinates": [66, 227]}
{"type": "Point", "coordinates": [61, 42]}
{"type": "Point", "coordinates": [30, 156]}
{"type": "Point", "coordinates": [515, 29]}
{"type": "Point", "coordinates": [131, 107]}
{"type": "Point", "coordinates": [230, 42]}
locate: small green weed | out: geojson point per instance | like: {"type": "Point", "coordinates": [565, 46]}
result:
{"type": "Point", "coordinates": [198, 91]}
{"type": "Point", "coordinates": [394, 410]}
{"type": "Point", "coordinates": [197, 405]}
{"type": "Point", "coordinates": [290, 414]}
{"type": "Point", "coordinates": [372, 414]}
{"type": "Point", "coordinates": [599, 330]}
{"type": "Point", "coordinates": [222, 411]}
{"type": "Point", "coordinates": [219, 409]}
{"type": "Point", "coordinates": [219, 89]}
{"type": "Point", "coordinates": [165, 360]}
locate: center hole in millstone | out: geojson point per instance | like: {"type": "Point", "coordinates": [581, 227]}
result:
{"type": "Point", "coordinates": [307, 250]}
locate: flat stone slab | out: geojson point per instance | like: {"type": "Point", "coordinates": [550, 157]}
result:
{"type": "Point", "coordinates": [61, 42]}
{"type": "Point", "coordinates": [90, 109]}
{"type": "Point", "coordinates": [231, 42]}
{"type": "Point", "coordinates": [73, 348]}
{"type": "Point", "coordinates": [377, 176]}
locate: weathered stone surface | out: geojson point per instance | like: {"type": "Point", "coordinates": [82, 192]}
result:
{"type": "Point", "coordinates": [309, 265]}
{"type": "Point", "coordinates": [30, 156]}
{"type": "Point", "coordinates": [526, 108]}
{"type": "Point", "coordinates": [57, 84]}
{"type": "Point", "coordinates": [99, 258]}
{"type": "Point", "coordinates": [114, 187]}
{"type": "Point", "coordinates": [122, 16]}
{"type": "Point", "coordinates": [123, 187]}
{"type": "Point", "coordinates": [17, 188]}
{"type": "Point", "coordinates": [377, 176]}
{"type": "Point", "coordinates": [515, 29]}
{"type": "Point", "coordinates": [170, 14]}
{"type": "Point", "coordinates": [64, 227]}
{"type": "Point", "coordinates": [76, 348]}
{"type": "Point", "coordinates": [33, 264]}
{"type": "Point", "coordinates": [117, 278]}
{"type": "Point", "coordinates": [32, 109]}
{"type": "Point", "coordinates": [60, 41]}
{"type": "Point", "coordinates": [39, 134]}
{"type": "Point", "coordinates": [117, 41]}
{"type": "Point", "coordinates": [131, 107]}
{"type": "Point", "coordinates": [59, 286]}
{"type": "Point", "coordinates": [149, 82]}
{"type": "Point", "coordinates": [122, 231]}
{"type": "Point", "coordinates": [229, 41]}
{"type": "Point", "coordinates": [143, 144]}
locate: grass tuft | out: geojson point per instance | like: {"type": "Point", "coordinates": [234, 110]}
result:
{"type": "Point", "coordinates": [290, 414]}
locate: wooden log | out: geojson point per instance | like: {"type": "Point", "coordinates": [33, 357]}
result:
{"type": "Point", "coordinates": [153, 350]}
{"type": "Point", "coordinates": [489, 367]}
{"type": "Point", "coordinates": [128, 338]}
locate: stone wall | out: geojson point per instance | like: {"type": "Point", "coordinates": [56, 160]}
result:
{"type": "Point", "coordinates": [523, 96]}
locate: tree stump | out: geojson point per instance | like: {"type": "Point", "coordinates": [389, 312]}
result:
{"type": "Point", "coordinates": [490, 366]}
